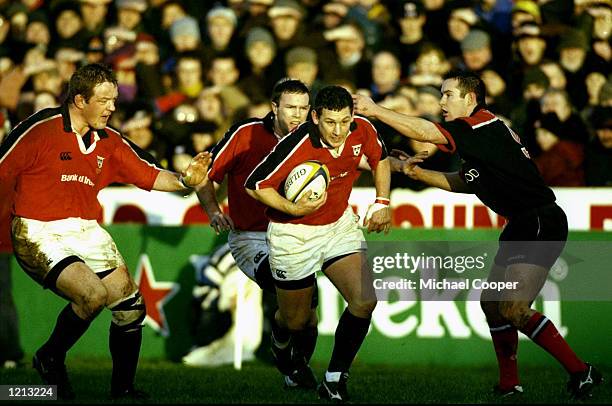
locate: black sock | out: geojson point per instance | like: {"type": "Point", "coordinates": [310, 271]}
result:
{"type": "Point", "coordinates": [350, 333]}
{"type": "Point", "coordinates": [125, 350]}
{"type": "Point", "coordinates": [299, 343]}
{"type": "Point", "coordinates": [281, 335]}
{"type": "Point", "coordinates": [68, 329]}
{"type": "Point", "coordinates": [310, 342]}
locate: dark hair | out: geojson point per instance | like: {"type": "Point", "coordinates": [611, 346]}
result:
{"type": "Point", "coordinates": [287, 85]}
{"type": "Point", "coordinates": [86, 78]}
{"type": "Point", "coordinates": [469, 82]}
{"type": "Point", "coordinates": [333, 98]}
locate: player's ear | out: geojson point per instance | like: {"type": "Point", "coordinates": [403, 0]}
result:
{"type": "Point", "coordinates": [471, 98]}
{"type": "Point", "coordinates": [274, 108]}
{"type": "Point", "coordinates": [79, 101]}
{"type": "Point", "coordinates": [315, 117]}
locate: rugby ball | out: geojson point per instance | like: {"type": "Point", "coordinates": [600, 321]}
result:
{"type": "Point", "coordinates": [309, 175]}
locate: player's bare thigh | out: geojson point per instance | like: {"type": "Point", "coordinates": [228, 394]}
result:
{"type": "Point", "coordinates": [79, 284]}
{"type": "Point", "coordinates": [353, 279]}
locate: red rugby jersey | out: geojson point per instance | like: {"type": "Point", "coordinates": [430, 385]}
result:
{"type": "Point", "coordinates": [55, 176]}
{"type": "Point", "coordinates": [304, 144]}
{"type": "Point", "coordinates": [242, 148]}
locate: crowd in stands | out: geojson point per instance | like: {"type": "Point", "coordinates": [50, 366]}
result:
{"type": "Point", "coordinates": [188, 69]}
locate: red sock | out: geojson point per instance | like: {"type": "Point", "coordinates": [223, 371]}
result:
{"type": "Point", "coordinates": [544, 333]}
{"type": "Point", "coordinates": [505, 341]}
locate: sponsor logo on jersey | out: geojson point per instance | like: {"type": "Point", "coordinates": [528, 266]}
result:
{"type": "Point", "coordinates": [76, 178]}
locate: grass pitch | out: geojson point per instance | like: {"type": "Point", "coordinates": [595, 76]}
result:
{"type": "Point", "coordinates": [172, 383]}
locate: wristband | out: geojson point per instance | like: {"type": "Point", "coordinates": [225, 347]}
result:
{"type": "Point", "coordinates": [182, 180]}
{"type": "Point", "coordinates": [382, 200]}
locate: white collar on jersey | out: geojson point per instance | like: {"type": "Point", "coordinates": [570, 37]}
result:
{"type": "Point", "coordinates": [79, 139]}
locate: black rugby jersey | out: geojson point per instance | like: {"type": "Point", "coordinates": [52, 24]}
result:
{"type": "Point", "coordinates": [495, 165]}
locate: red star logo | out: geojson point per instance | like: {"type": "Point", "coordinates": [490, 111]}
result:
{"type": "Point", "coordinates": [155, 295]}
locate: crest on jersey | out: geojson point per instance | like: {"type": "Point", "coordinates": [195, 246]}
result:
{"type": "Point", "coordinates": [100, 163]}
{"type": "Point", "coordinates": [356, 149]}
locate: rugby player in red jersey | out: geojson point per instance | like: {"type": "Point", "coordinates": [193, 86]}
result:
{"type": "Point", "coordinates": [323, 235]}
{"type": "Point", "coordinates": [242, 148]}
{"type": "Point", "coordinates": [56, 161]}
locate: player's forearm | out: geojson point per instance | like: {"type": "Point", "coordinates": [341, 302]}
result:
{"type": "Point", "coordinates": [450, 182]}
{"type": "Point", "coordinates": [382, 178]}
{"type": "Point", "coordinates": [208, 199]}
{"type": "Point", "coordinates": [272, 198]}
{"type": "Point", "coordinates": [167, 181]}
{"type": "Point", "coordinates": [412, 127]}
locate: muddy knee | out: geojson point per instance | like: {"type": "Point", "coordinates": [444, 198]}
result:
{"type": "Point", "coordinates": [517, 313]}
{"type": "Point", "coordinates": [91, 302]}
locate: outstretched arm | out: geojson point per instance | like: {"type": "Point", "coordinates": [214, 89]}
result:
{"type": "Point", "coordinates": [207, 196]}
{"type": "Point", "coordinates": [412, 127]}
{"type": "Point", "coordinates": [449, 181]}
{"type": "Point", "coordinates": [194, 175]}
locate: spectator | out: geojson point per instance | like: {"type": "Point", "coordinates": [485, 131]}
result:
{"type": "Point", "coordinates": [572, 125]}
{"type": "Point", "coordinates": [562, 159]}
{"type": "Point", "coordinates": [185, 35]}
{"type": "Point", "coordinates": [386, 75]}
{"type": "Point", "coordinates": [430, 67]}
{"type": "Point", "coordinates": [459, 25]}
{"type": "Point", "coordinates": [116, 37]}
{"type": "Point", "coordinates": [497, 100]}
{"type": "Point", "coordinates": [302, 64]}
{"type": "Point", "coordinates": [525, 11]}
{"type": "Point", "coordinates": [189, 75]}
{"type": "Point", "coordinates": [428, 103]}
{"type": "Point", "coordinates": [94, 15]}
{"type": "Point", "coordinates": [598, 168]}
{"type": "Point", "coordinates": [148, 72]}
{"type": "Point", "coordinates": [257, 15]}
{"type": "Point", "coordinates": [137, 128]}
{"type": "Point", "coordinates": [43, 100]}
{"type": "Point", "coordinates": [411, 19]}
{"type": "Point", "coordinates": [352, 64]}
{"type": "Point", "coordinates": [37, 31]}
{"type": "Point", "coordinates": [555, 74]}
{"type": "Point", "coordinates": [531, 45]}
{"type": "Point", "coordinates": [94, 52]}
{"type": "Point", "coordinates": [69, 29]}
{"type": "Point", "coordinates": [334, 13]}
{"type": "Point", "coordinates": [594, 83]}
{"type": "Point", "coordinates": [476, 51]}
{"type": "Point", "coordinates": [572, 55]}
{"type": "Point", "coordinates": [260, 49]}
{"type": "Point", "coordinates": [527, 111]}
{"type": "Point", "coordinates": [202, 136]}
{"type": "Point", "coordinates": [129, 14]}
{"type": "Point", "coordinates": [601, 32]}
{"type": "Point", "coordinates": [220, 29]}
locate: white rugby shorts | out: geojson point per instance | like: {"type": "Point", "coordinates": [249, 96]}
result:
{"type": "Point", "coordinates": [249, 248]}
{"type": "Point", "coordinates": [299, 250]}
{"type": "Point", "coordinates": [41, 245]}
